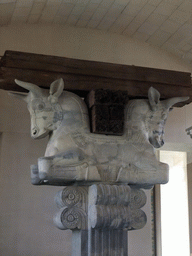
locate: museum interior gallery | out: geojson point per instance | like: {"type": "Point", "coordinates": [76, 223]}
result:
{"type": "Point", "coordinates": [96, 127]}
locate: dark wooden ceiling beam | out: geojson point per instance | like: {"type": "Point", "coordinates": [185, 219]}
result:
{"type": "Point", "coordinates": [82, 75]}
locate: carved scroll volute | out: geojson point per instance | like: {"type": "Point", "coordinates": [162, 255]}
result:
{"type": "Point", "coordinates": [137, 198]}
{"type": "Point", "coordinates": [116, 207]}
{"type": "Point", "coordinates": [138, 217]}
{"type": "Point", "coordinates": [72, 202]}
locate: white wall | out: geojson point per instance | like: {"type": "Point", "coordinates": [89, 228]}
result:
{"type": "Point", "coordinates": [27, 210]}
{"type": "Point", "coordinates": [86, 44]}
{"type": "Point", "coordinates": [189, 173]}
{"type": "Point", "coordinates": [176, 138]}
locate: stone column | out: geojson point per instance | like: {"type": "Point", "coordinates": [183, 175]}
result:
{"type": "Point", "coordinates": [102, 211]}
{"type": "Point", "coordinates": [99, 217]}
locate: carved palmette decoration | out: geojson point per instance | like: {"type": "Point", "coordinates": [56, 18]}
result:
{"type": "Point", "coordinates": [116, 207]}
{"type": "Point", "coordinates": [72, 202]}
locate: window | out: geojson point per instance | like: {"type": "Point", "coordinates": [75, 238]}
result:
{"type": "Point", "coordinates": [174, 206]}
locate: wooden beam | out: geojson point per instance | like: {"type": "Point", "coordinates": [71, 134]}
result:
{"type": "Point", "coordinates": [54, 64]}
{"type": "Point", "coordinates": [82, 75]}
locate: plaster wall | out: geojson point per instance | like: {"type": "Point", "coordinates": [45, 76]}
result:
{"type": "Point", "coordinates": [189, 176]}
{"type": "Point", "coordinates": [87, 44]}
{"type": "Point", "coordinates": [176, 137]}
{"type": "Point", "coordinates": [27, 210]}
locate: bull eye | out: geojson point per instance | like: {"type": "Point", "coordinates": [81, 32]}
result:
{"type": "Point", "coordinates": [37, 104]}
{"type": "Point", "coordinates": [40, 106]}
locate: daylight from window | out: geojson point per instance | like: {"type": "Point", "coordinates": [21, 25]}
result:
{"type": "Point", "coordinates": [174, 206]}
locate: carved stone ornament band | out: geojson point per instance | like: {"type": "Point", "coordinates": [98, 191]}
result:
{"type": "Point", "coordinates": [108, 206]}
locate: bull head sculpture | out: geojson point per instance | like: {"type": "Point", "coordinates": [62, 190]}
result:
{"type": "Point", "coordinates": [43, 107]}
{"type": "Point", "coordinates": [157, 115]}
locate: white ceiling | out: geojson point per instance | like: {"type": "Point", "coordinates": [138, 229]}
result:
{"type": "Point", "coordinates": [164, 23]}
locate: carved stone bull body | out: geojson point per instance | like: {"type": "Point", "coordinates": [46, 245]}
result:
{"type": "Point", "coordinates": [74, 154]}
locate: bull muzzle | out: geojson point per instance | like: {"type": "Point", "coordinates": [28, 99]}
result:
{"type": "Point", "coordinates": [37, 133]}
{"type": "Point", "coordinates": [157, 141]}
{"type": "Point", "coordinates": [34, 132]}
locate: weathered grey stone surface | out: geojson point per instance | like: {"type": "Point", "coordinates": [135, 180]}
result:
{"type": "Point", "coordinates": [103, 206]}
{"type": "Point", "coordinates": [73, 204]}
{"type": "Point", "coordinates": [103, 174]}
{"type": "Point", "coordinates": [100, 216]}
{"type": "Point", "coordinates": [75, 155]}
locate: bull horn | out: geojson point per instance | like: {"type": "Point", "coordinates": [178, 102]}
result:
{"type": "Point", "coordinates": [30, 87]}
{"type": "Point", "coordinates": [170, 102]}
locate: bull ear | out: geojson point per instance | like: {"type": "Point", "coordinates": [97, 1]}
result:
{"type": "Point", "coordinates": [20, 96]}
{"type": "Point", "coordinates": [56, 90]}
{"type": "Point", "coordinates": [154, 97]}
